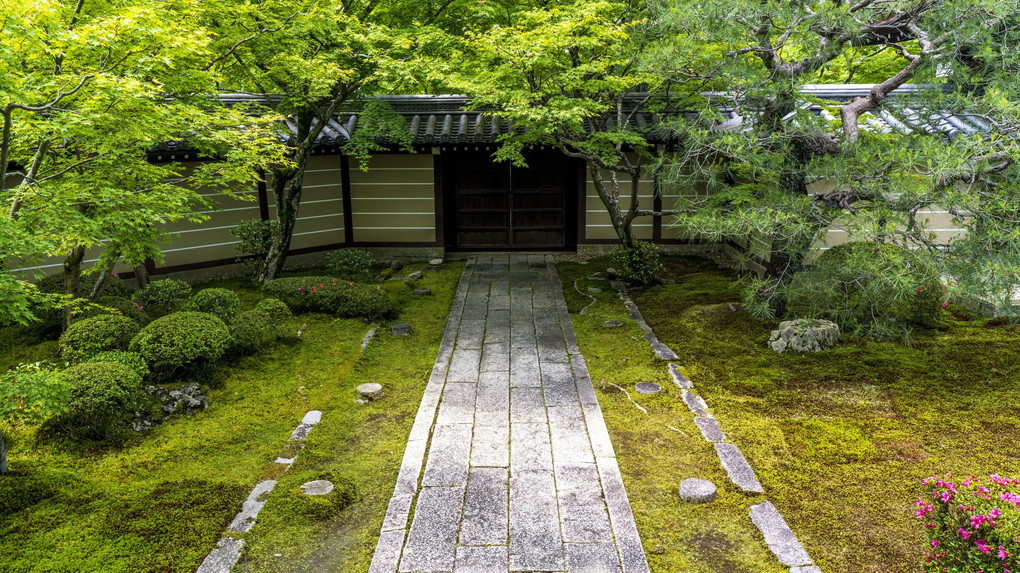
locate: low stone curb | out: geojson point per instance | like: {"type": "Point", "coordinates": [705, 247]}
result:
{"type": "Point", "coordinates": [228, 550]}
{"type": "Point", "coordinates": [778, 536]}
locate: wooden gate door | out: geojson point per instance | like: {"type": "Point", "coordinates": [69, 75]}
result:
{"type": "Point", "coordinates": [497, 206]}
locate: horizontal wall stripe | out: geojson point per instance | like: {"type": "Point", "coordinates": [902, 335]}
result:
{"type": "Point", "coordinates": [201, 247]}
{"type": "Point", "coordinates": [331, 170]}
{"type": "Point", "coordinates": [307, 217]}
{"type": "Point", "coordinates": [396, 169]}
{"type": "Point", "coordinates": [393, 198]}
{"type": "Point", "coordinates": [340, 229]}
{"type": "Point", "coordinates": [393, 213]}
{"type": "Point", "coordinates": [324, 185]}
{"type": "Point", "coordinates": [393, 228]}
{"type": "Point", "coordinates": [417, 183]}
{"type": "Point", "coordinates": [201, 229]}
{"type": "Point", "coordinates": [255, 206]}
{"type": "Point", "coordinates": [633, 225]}
{"type": "Point", "coordinates": [228, 193]}
{"type": "Point", "coordinates": [627, 181]}
{"type": "Point", "coordinates": [622, 196]}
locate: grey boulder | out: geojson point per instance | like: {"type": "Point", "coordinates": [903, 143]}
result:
{"type": "Point", "coordinates": [804, 335]}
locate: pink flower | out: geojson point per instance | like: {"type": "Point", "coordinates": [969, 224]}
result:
{"type": "Point", "coordinates": [300, 288]}
{"type": "Point", "coordinates": [994, 513]}
{"type": "Point", "coordinates": [964, 534]}
{"type": "Point", "coordinates": [945, 304]}
{"type": "Point", "coordinates": [141, 307]}
{"type": "Point", "coordinates": [920, 290]}
{"type": "Point", "coordinates": [352, 283]}
{"type": "Point", "coordinates": [982, 546]}
{"type": "Point", "coordinates": [934, 543]}
{"type": "Point", "coordinates": [314, 289]}
{"type": "Point", "coordinates": [1002, 552]}
{"type": "Point", "coordinates": [376, 287]}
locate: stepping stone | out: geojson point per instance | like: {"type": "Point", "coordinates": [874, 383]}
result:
{"type": "Point", "coordinates": [422, 291]}
{"type": "Point", "coordinates": [610, 273]}
{"type": "Point", "coordinates": [647, 388]}
{"type": "Point", "coordinates": [738, 469]}
{"type": "Point", "coordinates": [710, 429]}
{"type": "Point", "coordinates": [371, 390]}
{"type": "Point", "coordinates": [696, 404]}
{"type": "Point", "coordinates": [396, 264]}
{"type": "Point", "coordinates": [594, 290]}
{"type": "Point", "coordinates": [416, 275]}
{"type": "Point", "coordinates": [695, 490]}
{"type": "Point", "coordinates": [435, 264]}
{"type": "Point", "coordinates": [251, 507]}
{"type": "Point", "coordinates": [402, 329]}
{"type": "Point", "coordinates": [612, 323]}
{"type": "Point", "coordinates": [317, 487]}
{"type": "Point", "coordinates": [223, 558]}
{"type": "Point", "coordinates": [678, 378]}
{"type": "Point", "coordinates": [778, 535]}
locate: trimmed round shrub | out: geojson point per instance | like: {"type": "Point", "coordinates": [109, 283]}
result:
{"type": "Point", "coordinates": [220, 302]}
{"type": "Point", "coordinates": [120, 305]}
{"type": "Point", "coordinates": [252, 330]}
{"type": "Point", "coordinates": [872, 290]}
{"type": "Point", "coordinates": [132, 360]}
{"type": "Point", "coordinates": [160, 298]}
{"type": "Point", "coordinates": [331, 296]}
{"type": "Point", "coordinates": [351, 264]}
{"type": "Point", "coordinates": [181, 339]}
{"type": "Point", "coordinates": [54, 284]}
{"type": "Point", "coordinates": [100, 393]}
{"type": "Point", "coordinates": [638, 265]}
{"type": "Point", "coordinates": [86, 338]}
{"type": "Point", "coordinates": [274, 308]}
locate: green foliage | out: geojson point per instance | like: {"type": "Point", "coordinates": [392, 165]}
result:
{"type": "Point", "coordinates": [54, 284]}
{"type": "Point", "coordinates": [181, 339]}
{"type": "Point", "coordinates": [253, 330]}
{"type": "Point", "coordinates": [24, 491]}
{"type": "Point", "coordinates": [162, 297]}
{"type": "Point", "coordinates": [220, 302]}
{"type": "Point", "coordinates": [100, 393]}
{"type": "Point", "coordinates": [331, 296]}
{"type": "Point", "coordinates": [86, 338]}
{"type": "Point", "coordinates": [638, 264]}
{"type": "Point", "coordinates": [319, 507]}
{"type": "Point", "coordinates": [115, 305]}
{"type": "Point", "coordinates": [350, 264]}
{"type": "Point", "coordinates": [877, 291]}
{"type": "Point", "coordinates": [256, 236]}
{"type": "Point", "coordinates": [274, 308]}
{"type": "Point", "coordinates": [32, 393]}
{"type": "Point", "coordinates": [132, 360]}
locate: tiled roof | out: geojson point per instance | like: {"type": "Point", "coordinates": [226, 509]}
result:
{"type": "Point", "coordinates": [439, 120]}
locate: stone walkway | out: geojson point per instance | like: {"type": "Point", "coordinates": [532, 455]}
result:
{"type": "Point", "coordinates": [519, 473]}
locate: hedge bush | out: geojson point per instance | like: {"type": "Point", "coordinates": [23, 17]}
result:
{"type": "Point", "coordinates": [252, 330]}
{"type": "Point", "coordinates": [878, 291]}
{"type": "Point", "coordinates": [181, 339]}
{"type": "Point", "coordinates": [121, 306]}
{"type": "Point", "coordinates": [638, 265]}
{"type": "Point", "coordinates": [351, 264]}
{"type": "Point", "coordinates": [220, 302]}
{"type": "Point", "coordinates": [88, 337]}
{"type": "Point", "coordinates": [972, 526]}
{"type": "Point", "coordinates": [100, 393]}
{"type": "Point", "coordinates": [160, 298]}
{"type": "Point", "coordinates": [132, 360]}
{"type": "Point", "coordinates": [273, 308]}
{"type": "Point", "coordinates": [331, 296]}
{"type": "Point", "coordinates": [54, 284]}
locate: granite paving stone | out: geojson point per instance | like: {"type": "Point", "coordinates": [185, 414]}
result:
{"type": "Point", "coordinates": [432, 541]}
{"type": "Point", "coordinates": [509, 396]}
{"type": "Point", "coordinates": [710, 429]}
{"type": "Point", "coordinates": [482, 559]}
{"type": "Point", "coordinates": [778, 535]}
{"type": "Point", "coordinates": [737, 468]}
{"type": "Point", "coordinates": [485, 508]}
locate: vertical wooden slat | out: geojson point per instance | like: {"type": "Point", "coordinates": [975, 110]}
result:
{"type": "Point", "coordinates": [263, 196]}
{"type": "Point", "coordinates": [437, 176]}
{"type": "Point", "coordinates": [345, 186]}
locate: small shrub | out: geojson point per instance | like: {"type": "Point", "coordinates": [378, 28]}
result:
{"type": "Point", "coordinates": [877, 291]}
{"type": "Point", "coordinates": [132, 360]}
{"type": "Point", "coordinates": [255, 236]}
{"type": "Point", "coordinates": [638, 265]}
{"type": "Point", "coordinates": [54, 284]}
{"type": "Point", "coordinates": [86, 338]}
{"type": "Point", "coordinates": [351, 264]}
{"type": "Point", "coordinates": [220, 302]}
{"type": "Point", "coordinates": [274, 308]}
{"type": "Point", "coordinates": [160, 298]}
{"type": "Point", "coordinates": [181, 339]}
{"type": "Point", "coordinates": [100, 393]}
{"type": "Point", "coordinates": [252, 330]}
{"type": "Point", "coordinates": [119, 305]}
{"type": "Point", "coordinates": [332, 296]}
{"type": "Point", "coordinates": [973, 525]}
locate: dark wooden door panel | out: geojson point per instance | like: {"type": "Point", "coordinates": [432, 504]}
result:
{"type": "Point", "coordinates": [502, 207]}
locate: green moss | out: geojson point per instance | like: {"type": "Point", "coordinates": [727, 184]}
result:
{"type": "Point", "coordinates": [841, 439]}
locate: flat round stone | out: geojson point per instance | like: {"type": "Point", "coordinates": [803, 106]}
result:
{"type": "Point", "coordinates": [317, 487]}
{"type": "Point", "coordinates": [402, 329]}
{"type": "Point", "coordinates": [612, 323]}
{"type": "Point", "coordinates": [370, 390]}
{"type": "Point", "coordinates": [694, 490]}
{"type": "Point", "coordinates": [648, 388]}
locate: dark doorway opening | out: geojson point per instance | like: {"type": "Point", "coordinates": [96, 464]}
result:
{"type": "Point", "coordinates": [496, 206]}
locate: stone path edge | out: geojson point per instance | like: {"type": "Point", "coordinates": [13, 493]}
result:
{"type": "Point", "coordinates": [778, 536]}
{"type": "Point", "coordinates": [394, 528]}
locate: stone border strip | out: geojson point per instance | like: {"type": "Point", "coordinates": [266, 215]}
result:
{"type": "Point", "coordinates": [778, 536]}
{"type": "Point", "coordinates": [228, 550]}
{"type": "Point", "coordinates": [394, 528]}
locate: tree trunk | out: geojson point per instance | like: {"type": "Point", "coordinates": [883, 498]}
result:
{"type": "Point", "coordinates": [611, 200]}
{"type": "Point", "coordinates": [103, 279]}
{"type": "Point", "coordinates": [72, 276]}
{"type": "Point", "coordinates": [3, 454]}
{"type": "Point", "coordinates": [141, 275]}
{"type": "Point", "coordinates": [287, 189]}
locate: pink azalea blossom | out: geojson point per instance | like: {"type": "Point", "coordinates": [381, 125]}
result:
{"type": "Point", "coordinates": [982, 546]}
